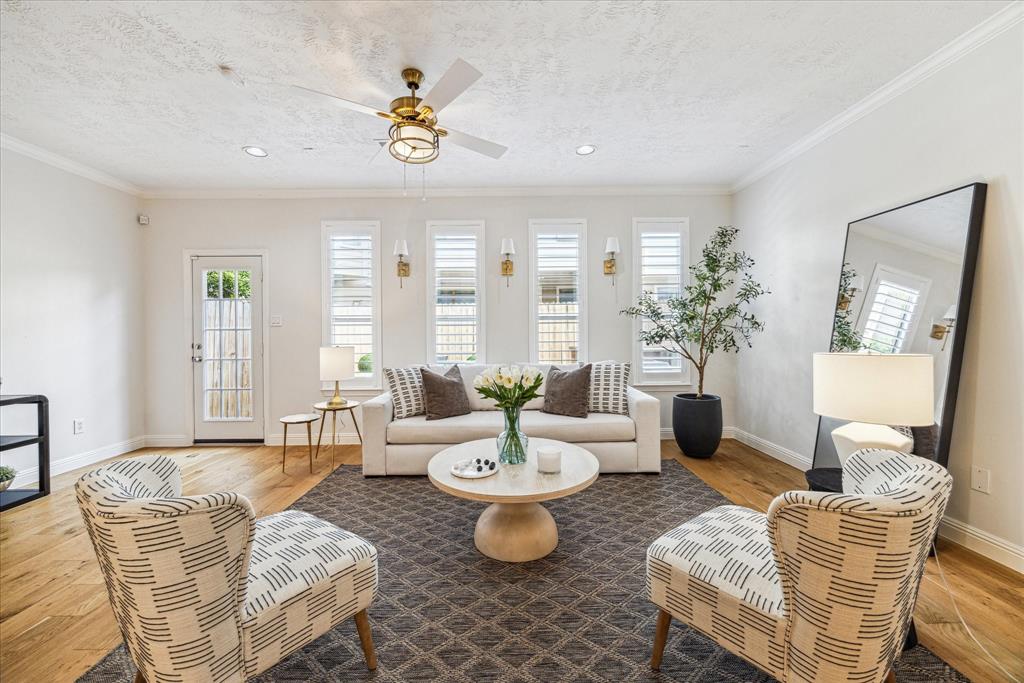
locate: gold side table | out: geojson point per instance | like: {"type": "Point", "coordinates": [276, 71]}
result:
{"type": "Point", "coordinates": [301, 418]}
{"type": "Point", "coordinates": [324, 407]}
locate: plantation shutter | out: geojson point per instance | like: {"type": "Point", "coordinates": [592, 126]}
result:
{"type": "Point", "coordinates": [659, 269]}
{"type": "Point", "coordinates": [558, 294]}
{"type": "Point", "coordinates": [457, 295]}
{"type": "Point", "coordinates": [891, 310]}
{"type": "Point", "coordinates": [351, 309]}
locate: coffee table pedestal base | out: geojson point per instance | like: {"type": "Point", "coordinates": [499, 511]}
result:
{"type": "Point", "coordinates": [516, 532]}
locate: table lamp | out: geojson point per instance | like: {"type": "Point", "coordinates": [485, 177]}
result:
{"type": "Point", "coordinates": [873, 391]}
{"type": "Point", "coordinates": [337, 363]}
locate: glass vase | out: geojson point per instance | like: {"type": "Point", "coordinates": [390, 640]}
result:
{"type": "Point", "coordinates": [512, 442]}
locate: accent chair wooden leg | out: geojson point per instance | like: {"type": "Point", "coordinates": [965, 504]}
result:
{"type": "Point", "coordinates": [139, 678]}
{"type": "Point", "coordinates": [890, 677]}
{"type": "Point", "coordinates": [366, 638]}
{"type": "Point", "coordinates": [660, 637]}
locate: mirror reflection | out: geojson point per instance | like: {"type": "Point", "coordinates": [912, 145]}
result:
{"type": "Point", "coordinates": [898, 293]}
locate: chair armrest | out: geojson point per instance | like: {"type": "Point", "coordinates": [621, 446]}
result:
{"type": "Point", "coordinates": [378, 412]}
{"type": "Point", "coordinates": [646, 413]}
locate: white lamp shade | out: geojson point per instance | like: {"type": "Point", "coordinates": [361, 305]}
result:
{"type": "Point", "coordinates": [612, 245]}
{"type": "Point", "coordinates": [337, 363]}
{"type": "Point", "coordinates": [507, 247]}
{"type": "Point", "coordinates": [401, 248]}
{"type": "Point", "coordinates": [888, 389]}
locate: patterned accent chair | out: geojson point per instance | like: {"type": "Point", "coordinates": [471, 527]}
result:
{"type": "Point", "coordinates": [202, 590]}
{"type": "Point", "coordinates": [823, 587]}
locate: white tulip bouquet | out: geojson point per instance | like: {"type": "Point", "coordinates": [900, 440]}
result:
{"type": "Point", "coordinates": [510, 387]}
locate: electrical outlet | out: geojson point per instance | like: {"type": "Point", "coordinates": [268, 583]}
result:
{"type": "Point", "coordinates": [981, 480]}
{"type": "Point", "coordinates": [275, 321]}
{"type": "Point", "coordinates": [78, 425]}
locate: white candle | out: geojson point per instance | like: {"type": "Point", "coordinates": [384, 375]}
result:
{"type": "Point", "coordinates": [549, 460]}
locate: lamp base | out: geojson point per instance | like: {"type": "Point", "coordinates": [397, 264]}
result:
{"type": "Point", "coordinates": [337, 401]}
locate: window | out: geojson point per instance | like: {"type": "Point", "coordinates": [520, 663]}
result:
{"type": "Point", "coordinates": [892, 308]}
{"type": "Point", "coordinates": [660, 250]}
{"type": "Point", "coordinates": [455, 292]}
{"type": "Point", "coordinates": [351, 297]}
{"type": "Point", "coordinates": [558, 313]}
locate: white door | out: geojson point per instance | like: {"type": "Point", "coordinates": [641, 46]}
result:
{"type": "Point", "coordinates": [227, 348]}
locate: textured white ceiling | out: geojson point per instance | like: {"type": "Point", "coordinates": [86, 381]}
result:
{"type": "Point", "coordinates": [670, 92]}
{"type": "Point", "coordinates": [940, 223]}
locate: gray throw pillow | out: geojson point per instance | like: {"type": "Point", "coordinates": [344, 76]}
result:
{"type": "Point", "coordinates": [444, 395]}
{"type": "Point", "coordinates": [567, 392]}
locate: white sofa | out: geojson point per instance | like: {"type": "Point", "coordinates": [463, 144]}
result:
{"type": "Point", "coordinates": [621, 443]}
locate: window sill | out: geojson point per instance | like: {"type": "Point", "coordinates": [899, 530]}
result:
{"type": "Point", "coordinates": [669, 386]}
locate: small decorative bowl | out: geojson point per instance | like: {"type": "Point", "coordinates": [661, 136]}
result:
{"type": "Point", "coordinates": [475, 468]}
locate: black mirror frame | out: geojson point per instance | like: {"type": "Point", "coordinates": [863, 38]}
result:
{"type": "Point", "coordinates": [963, 310]}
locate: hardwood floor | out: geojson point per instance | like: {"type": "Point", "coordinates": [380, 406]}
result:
{"type": "Point", "coordinates": [55, 622]}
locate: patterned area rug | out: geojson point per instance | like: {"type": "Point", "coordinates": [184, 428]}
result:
{"type": "Point", "coordinates": [447, 613]}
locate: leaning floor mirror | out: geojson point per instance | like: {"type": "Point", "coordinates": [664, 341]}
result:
{"type": "Point", "coordinates": [905, 287]}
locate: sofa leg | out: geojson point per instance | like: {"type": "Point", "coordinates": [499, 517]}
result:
{"type": "Point", "coordinates": [660, 637]}
{"type": "Point", "coordinates": [366, 638]}
{"type": "Point", "coordinates": [890, 677]}
{"type": "Point", "coordinates": [139, 678]}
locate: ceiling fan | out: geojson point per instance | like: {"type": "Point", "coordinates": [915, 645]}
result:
{"type": "Point", "coordinates": [414, 135]}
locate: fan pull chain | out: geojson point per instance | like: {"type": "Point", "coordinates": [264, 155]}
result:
{"type": "Point", "coordinates": [423, 177]}
{"type": "Point", "coordinates": [405, 184]}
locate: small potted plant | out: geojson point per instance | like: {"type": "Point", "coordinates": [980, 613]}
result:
{"type": "Point", "coordinates": [6, 477]}
{"type": "Point", "coordinates": [708, 316]}
{"type": "Point", "coordinates": [511, 387]}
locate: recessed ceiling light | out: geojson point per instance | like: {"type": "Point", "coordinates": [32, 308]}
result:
{"type": "Point", "coordinates": [584, 150]}
{"type": "Point", "coordinates": [255, 151]}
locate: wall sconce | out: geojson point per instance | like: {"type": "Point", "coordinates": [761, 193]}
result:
{"type": "Point", "coordinates": [942, 330]}
{"type": "Point", "coordinates": [846, 298]}
{"type": "Point", "coordinates": [611, 248]}
{"type": "Point", "coordinates": [508, 249]}
{"type": "Point", "coordinates": [401, 251]}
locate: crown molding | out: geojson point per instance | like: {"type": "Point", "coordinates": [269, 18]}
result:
{"type": "Point", "coordinates": [999, 22]}
{"type": "Point", "coordinates": [57, 161]}
{"type": "Point", "coordinates": [442, 192]}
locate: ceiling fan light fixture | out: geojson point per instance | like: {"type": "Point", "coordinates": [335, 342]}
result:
{"type": "Point", "coordinates": [255, 151]}
{"type": "Point", "coordinates": [586, 150]}
{"type": "Point", "coordinates": [413, 142]}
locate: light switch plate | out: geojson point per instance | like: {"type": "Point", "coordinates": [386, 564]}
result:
{"type": "Point", "coordinates": [276, 321]}
{"type": "Point", "coordinates": [981, 480]}
{"type": "Point", "coordinates": [78, 425]}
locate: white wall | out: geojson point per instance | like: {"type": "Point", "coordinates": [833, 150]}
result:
{"type": "Point", "coordinates": [962, 124]}
{"type": "Point", "coordinates": [290, 230]}
{"type": "Point", "coordinates": [70, 311]}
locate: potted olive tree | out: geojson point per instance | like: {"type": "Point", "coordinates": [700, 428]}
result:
{"type": "Point", "coordinates": [708, 316]}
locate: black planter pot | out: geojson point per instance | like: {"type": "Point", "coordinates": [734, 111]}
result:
{"type": "Point", "coordinates": [697, 424]}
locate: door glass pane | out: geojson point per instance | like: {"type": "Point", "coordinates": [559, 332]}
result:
{"type": "Point", "coordinates": [227, 336]}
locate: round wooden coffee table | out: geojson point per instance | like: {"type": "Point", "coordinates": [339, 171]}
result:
{"type": "Point", "coordinates": [515, 527]}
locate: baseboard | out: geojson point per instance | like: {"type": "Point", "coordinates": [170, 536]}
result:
{"type": "Point", "coordinates": [994, 548]}
{"type": "Point", "coordinates": [666, 433]}
{"type": "Point", "coordinates": [344, 438]}
{"type": "Point", "coordinates": [168, 441]}
{"type": "Point", "coordinates": [781, 453]}
{"type": "Point", "coordinates": [31, 474]}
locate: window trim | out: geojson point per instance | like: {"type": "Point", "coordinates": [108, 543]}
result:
{"type": "Point", "coordinates": [570, 226]}
{"type": "Point", "coordinates": [659, 225]}
{"type": "Point", "coordinates": [879, 273]}
{"type": "Point", "coordinates": [457, 227]}
{"type": "Point", "coordinates": [329, 229]}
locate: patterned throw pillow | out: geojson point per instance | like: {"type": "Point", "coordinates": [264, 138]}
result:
{"type": "Point", "coordinates": [608, 383]}
{"type": "Point", "coordinates": [406, 387]}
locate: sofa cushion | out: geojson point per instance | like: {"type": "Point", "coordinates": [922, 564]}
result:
{"type": "Point", "coordinates": [444, 395]}
{"type": "Point", "coordinates": [406, 387]}
{"type": "Point", "coordinates": [482, 424]}
{"type": "Point", "coordinates": [567, 392]}
{"type": "Point", "coordinates": [609, 381]}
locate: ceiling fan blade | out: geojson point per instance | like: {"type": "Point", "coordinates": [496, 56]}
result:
{"type": "Point", "coordinates": [341, 101]}
{"type": "Point", "coordinates": [478, 145]}
{"type": "Point", "coordinates": [453, 83]}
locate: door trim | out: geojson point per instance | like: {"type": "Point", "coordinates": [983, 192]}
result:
{"type": "Point", "coordinates": [186, 261]}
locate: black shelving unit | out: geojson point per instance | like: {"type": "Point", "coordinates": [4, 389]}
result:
{"type": "Point", "coordinates": [41, 440]}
